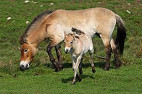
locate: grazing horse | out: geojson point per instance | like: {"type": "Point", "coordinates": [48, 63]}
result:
{"type": "Point", "coordinates": [78, 46]}
{"type": "Point", "coordinates": [52, 25]}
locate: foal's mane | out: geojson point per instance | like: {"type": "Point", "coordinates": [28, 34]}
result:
{"type": "Point", "coordinates": [33, 24]}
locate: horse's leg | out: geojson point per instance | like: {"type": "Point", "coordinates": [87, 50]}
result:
{"type": "Point", "coordinates": [116, 56]}
{"type": "Point", "coordinates": [80, 66]}
{"type": "Point", "coordinates": [76, 69]}
{"type": "Point", "coordinates": [59, 55]}
{"type": "Point", "coordinates": [52, 59]}
{"type": "Point", "coordinates": [108, 50]}
{"type": "Point", "coordinates": [92, 64]}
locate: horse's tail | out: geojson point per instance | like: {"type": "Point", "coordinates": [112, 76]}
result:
{"type": "Point", "coordinates": [121, 34]}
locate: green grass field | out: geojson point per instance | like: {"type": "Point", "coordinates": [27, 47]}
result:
{"type": "Point", "coordinates": [41, 78]}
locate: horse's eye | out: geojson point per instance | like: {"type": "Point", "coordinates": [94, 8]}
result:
{"type": "Point", "coordinates": [25, 50]}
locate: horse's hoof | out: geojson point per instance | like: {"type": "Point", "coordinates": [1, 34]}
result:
{"type": "Point", "coordinates": [80, 71]}
{"type": "Point", "coordinates": [117, 66]}
{"type": "Point", "coordinates": [106, 68]}
{"type": "Point", "coordinates": [93, 70]}
{"type": "Point", "coordinates": [79, 78]}
{"type": "Point", "coordinates": [56, 69]}
{"type": "Point", "coordinates": [72, 82]}
{"type": "Point", "coordinates": [61, 67]}
{"type": "Point", "coordinates": [118, 63]}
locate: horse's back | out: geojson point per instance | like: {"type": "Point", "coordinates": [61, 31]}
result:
{"type": "Point", "coordinates": [87, 20]}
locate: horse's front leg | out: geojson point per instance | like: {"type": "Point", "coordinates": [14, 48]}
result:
{"type": "Point", "coordinates": [52, 59]}
{"type": "Point", "coordinates": [59, 55]}
{"type": "Point", "coordinates": [76, 69]}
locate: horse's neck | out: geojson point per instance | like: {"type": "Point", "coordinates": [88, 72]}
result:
{"type": "Point", "coordinates": [35, 37]}
{"type": "Point", "coordinates": [76, 43]}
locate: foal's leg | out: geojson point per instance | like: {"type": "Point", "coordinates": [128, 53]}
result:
{"type": "Point", "coordinates": [59, 55]}
{"type": "Point", "coordinates": [108, 50]}
{"type": "Point", "coordinates": [52, 59]}
{"type": "Point", "coordinates": [76, 69]}
{"type": "Point", "coordinates": [73, 61]}
{"type": "Point", "coordinates": [80, 66]}
{"type": "Point", "coordinates": [116, 56]}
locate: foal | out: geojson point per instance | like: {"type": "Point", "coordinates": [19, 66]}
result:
{"type": "Point", "coordinates": [78, 46]}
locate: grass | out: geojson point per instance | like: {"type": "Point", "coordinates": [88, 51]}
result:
{"type": "Point", "coordinates": [41, 78]}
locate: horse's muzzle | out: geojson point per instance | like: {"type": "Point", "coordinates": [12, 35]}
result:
{"type": "Point", "coordinates": [23, 68]}
{"type": "Point", "coordinates": [24, 65]}
{"type": "Point", "coordinates": [67, 51]}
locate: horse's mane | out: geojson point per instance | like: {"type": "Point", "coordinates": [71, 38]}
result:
{"type": "Point", "coordinates": [32, 24]}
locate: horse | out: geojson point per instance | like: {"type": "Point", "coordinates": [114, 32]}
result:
{"type": "Point", "coordinates": [53, 24]}
{"type": "Point", "coordinates": [78, 46]}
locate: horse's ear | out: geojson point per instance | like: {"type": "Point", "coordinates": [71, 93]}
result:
{"type": "Point", "coordinates": [47, 25]}
{"type": "Point", "coordinates": [73, 29]}
{"type": "Point", "coordinates": [73, 35]}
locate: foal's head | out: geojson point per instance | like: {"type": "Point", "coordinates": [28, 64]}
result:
{"type": "Point", "coordinates": [27, 54]}
{"type": "Point", "coordinates": [68, 42]}
{"type": "Point", "coordinates": [69, 39]}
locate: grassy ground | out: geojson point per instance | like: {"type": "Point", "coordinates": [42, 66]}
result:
{"type": "Point", "coordinates": [41, 78]}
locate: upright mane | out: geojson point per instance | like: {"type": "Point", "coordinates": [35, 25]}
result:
{"type": "Point", "coordinates": [32, 25]}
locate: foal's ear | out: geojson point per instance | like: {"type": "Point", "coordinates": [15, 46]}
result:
{"type": "Point", "coordinates": [77, 37]}
{"type": "Point", "coordinates": [73, 35]}
{"type": "Point", "coordinates": [47, 25]}
{"type": "Point", "coordinates": [65, 34]}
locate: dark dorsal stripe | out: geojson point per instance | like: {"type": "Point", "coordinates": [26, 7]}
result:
{"type": "Point", "coordinates": [77, 31]}
{"type": "Point", "coordinates": [23, 37]}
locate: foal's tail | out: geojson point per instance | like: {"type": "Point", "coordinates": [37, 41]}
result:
{"type": "Point", "coordinates": [121, 34]}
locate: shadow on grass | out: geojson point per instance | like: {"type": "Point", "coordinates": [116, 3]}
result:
{"type": "Point", "coordinates": [71, 78]}
{"type": "Point", "coordinates": [84, 65]}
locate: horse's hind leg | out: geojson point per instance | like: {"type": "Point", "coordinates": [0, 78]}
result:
{"type": "Point", "coordinates": [59, 55]}
{"type": "Point", "coordinates": [80, 66]}
{"type": "Point", "coordinates": [116, 56]}
{"type": "Point", "coordinates": [92, 64]}
{"type": "Point", "coordinates": [106, 41]}
{"type": "Point", "coordinates": [52, 59]}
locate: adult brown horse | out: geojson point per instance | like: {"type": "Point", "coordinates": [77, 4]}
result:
{"type": "Point", "coordinates": [52, 25]}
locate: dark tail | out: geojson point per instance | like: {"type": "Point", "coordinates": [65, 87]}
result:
{"type": "Point", "coordinates": [121, 34]}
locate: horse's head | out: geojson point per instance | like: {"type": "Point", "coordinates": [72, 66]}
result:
{"type": "Point", "coordinates": [69, 38]}
{"type": "Point", "coordinates": [27, 54]}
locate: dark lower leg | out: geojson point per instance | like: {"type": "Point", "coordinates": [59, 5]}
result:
{"type": "Point", "coordinates": [80, 66]}
{"type": "Point", "coordinates": [92, 63]}
{"type": "Point", "coordinates": [52, 59]}
{"type": "Point", "coordinates": [116, 58]}
{"type": "Point", "coordinates": [108, 55]}
{"type": "Point", "coordinates": [59, 56]}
